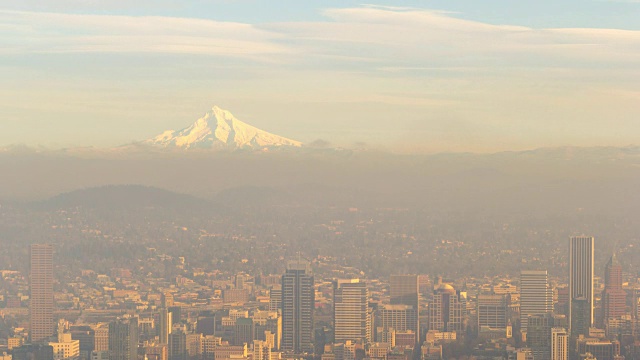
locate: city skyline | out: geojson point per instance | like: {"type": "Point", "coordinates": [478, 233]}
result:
{"type": "Point", "coordinates": [249, 326]}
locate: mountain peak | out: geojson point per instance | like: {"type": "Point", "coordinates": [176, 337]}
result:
{"type": "Point", "coordinates": [218, 128]}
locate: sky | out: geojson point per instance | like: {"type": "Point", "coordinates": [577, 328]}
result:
{"type": "Point", "coordinates": [410, 76]}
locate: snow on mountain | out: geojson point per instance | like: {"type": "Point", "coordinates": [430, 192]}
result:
{"type": "Point", "coordinates": [218, 128]}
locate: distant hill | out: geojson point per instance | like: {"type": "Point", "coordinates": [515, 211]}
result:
{"type": "Point", "coordinates": [130, 197]}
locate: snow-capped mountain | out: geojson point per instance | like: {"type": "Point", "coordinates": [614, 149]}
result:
{"type": "Point", "coordinates": [218, 128]}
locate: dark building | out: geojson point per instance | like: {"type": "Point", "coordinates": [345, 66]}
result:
{"type": "Point", "coordinates": [33, 352]}
{"type": "Point", "coordinates": [123, 339]}
{"type": "Point", "coordinates": [176, 314]}
{"type": "Point", "coordinates": [298, 302]}
{"type": "Point", "coordinates": [244, 331]}
{"type": "Point", "coordinates": [177, 346]}
{"type": "Point", "coordinates": [87, 338]}
{"type": "Point", "coordinates": [206, 325]}
{"type": "Point", "coordinates": [581, 259]}
{"type": "Point", "coordinates": [580, 318]}
{"type": "Point", "coordinates": [539, 335]}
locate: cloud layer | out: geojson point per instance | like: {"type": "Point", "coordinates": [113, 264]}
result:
{"type": "Point", "coordinates": [456, 83]}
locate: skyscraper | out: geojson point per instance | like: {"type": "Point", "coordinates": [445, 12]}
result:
{"type": "Point", "coordinates": [581, 256]}
{"type": "Point", "coordinates": [166, 324]}
{"type": "Point", "coordinates": [41, 298]}
{"type": "Point", "coordinates": [298, 302]}
{"type": "Point", "coordinates": [448, 310]}
{"type": "Point", "coordinates": [613, 296]}
{"type": "Point", "coordinates": [536, 297]}
{"type": "Point", "coordinates": [559, 344]}
{"type": "Point", "coordinates": [123, 339]}
{"type": "Point", "coordinates": [404, 291]}
{"type": "Point", "coordinates": [351, 311]}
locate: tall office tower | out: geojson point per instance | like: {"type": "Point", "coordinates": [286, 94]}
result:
{"type": "Point", "coordinates": [41, 298]}
{"type": "Point", "coordinates": [536, 297]}
{"type": "Point", "coordinates": [559, 344]}
{"type": "Point", "coordinates": [123, 339]}
{"type": "Point", "coordinates": [404, 291]}
{"type": "Point", "coordinates": [447, 310]}
{"type": "Point", "coordinates": [298, 301]}
{"type": "Point", "coordinates": [351, 316]}
{"type": "Point", "coordinates": [614, 298]}
{"type": "Point", "coordinates": [581, 255]}
{"type": "Point", "coordinates": [166, 324]}
{"type": "Point", "coordinates": [492, 312]}
{"type": "Point", "coordinates": [539, 335]}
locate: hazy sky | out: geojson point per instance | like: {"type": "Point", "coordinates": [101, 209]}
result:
{"type": "Point", "coordinates": [445, 75]}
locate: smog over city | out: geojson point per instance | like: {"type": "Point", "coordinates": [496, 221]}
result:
{"type": "Point", "coordinates": [319, 180]}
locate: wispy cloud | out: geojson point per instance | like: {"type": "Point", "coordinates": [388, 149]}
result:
{"type": "Point", "coordinates": [386, 66]}
{"type": "Point", "coordinates": [35, 32]}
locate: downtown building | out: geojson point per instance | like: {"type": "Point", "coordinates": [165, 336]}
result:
{"type": "Point", "coordinates": [448, 310]}
{"type": "Point", "coordinates": [559, 344]}
{"type": "Point", "coordinates": [493, 313]}
{"type": "Point", "coordinates": [41, 325]}
{"type": "Point", "coordinates": [581, 270]}
{"type": "Point", "coordinates": [393, 319]}
{"type": "Point", "coordinates": [123, 339]}
{"type": "Point", "coordinates": [404, 290]}
{"type": "Point", "coordinates": [536, 296]}
{"type": "Point", "coordinates": [351, 315]}
{"type": "Point", "coordinates": [298, 303]}
{"type": "Point", "coordinates": [614, 298]}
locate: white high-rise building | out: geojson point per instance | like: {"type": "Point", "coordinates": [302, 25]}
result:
{"type": "Point", "coordinates": [559, 344]}
{"type": "Point", "coordinates": [536, 297]}
{"type": "Point", "coordinates": [351, 311]}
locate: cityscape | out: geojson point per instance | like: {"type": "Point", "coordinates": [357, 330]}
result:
{"type": "Point", "coordinates": [319, 180]}
{"type": "Point", "coordinates": [317, 309]}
